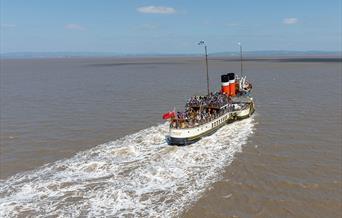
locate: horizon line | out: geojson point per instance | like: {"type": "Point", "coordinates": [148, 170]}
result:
{"type": "Point", "coordinates": [108, 53]}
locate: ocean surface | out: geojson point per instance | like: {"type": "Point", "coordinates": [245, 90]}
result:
{"type": "Point", "coordinates": [84, 137]}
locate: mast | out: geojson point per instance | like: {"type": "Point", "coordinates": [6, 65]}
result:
{"type": "Point", "coordinates": [206, 63]}
{"type": "Point", "coordinates": [240, 58]}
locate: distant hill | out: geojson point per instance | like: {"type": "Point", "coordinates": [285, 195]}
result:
{"type": "Point", "coordinates": [57, 54]}
{"type": "Point", "coordinates": [280, 53]}
{"type": "Point", "coordinates": [246, 54]}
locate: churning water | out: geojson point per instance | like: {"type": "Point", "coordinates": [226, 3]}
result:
{"type": "Point", "coordinates": [137, 175]}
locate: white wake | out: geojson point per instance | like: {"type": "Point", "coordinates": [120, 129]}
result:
{"type": "Point", "coordinates": [137, 175]}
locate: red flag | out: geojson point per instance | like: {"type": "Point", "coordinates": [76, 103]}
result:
{"type": "Point", "coordinates": [168, 115]}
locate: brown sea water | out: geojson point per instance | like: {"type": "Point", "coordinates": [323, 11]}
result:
{"type": "Point", "coordinates": [285, 161]}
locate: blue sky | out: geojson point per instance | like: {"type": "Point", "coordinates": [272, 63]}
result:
{"type": "Point", "coordinates": [128, 26]}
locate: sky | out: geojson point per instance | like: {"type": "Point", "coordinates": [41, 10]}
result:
{"type": "Point", "coordinates": [175, 26]}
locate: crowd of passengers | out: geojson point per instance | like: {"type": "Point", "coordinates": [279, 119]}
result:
{"type": "Point", "coordinates": [201, 109]}
{"type": "Point", "coordinates": [212, 100]}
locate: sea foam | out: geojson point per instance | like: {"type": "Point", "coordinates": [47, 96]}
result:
{"type": "Point", "coordinates": [137, 175]}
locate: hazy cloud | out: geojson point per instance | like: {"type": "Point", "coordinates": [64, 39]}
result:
{"type": "Point", "coordinates": [156, 10]}
{"type": "Point", "coordinates": [74, 26]}
{"type": "Point", "coordinates": [149, 26]}
{"type": "Point", "coordinates": [7, 25]}
{"type": "Point", "coordinates": [290, 20]}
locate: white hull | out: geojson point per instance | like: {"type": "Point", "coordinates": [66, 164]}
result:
{"type": "Point", "coordinates": [245, 112]}
{"type": "Point", "coordinates": [198, 130]}
{"type": "Point", "coordinates": [183, 136]}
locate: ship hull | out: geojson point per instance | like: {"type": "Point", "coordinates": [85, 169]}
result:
{"type": "Point", "coordinates": [243, 114]}
{"type": "Point", "coordinates": [190, 140]}
{"type": "Point", "coordinates": [182, 137]}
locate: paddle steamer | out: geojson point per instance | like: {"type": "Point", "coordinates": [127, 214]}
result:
{"type": "Point", "coordinates": [204, 115]}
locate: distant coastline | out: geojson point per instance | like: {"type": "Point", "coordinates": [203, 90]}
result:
{"type": "Point", "coordinates": [274, 56]}
{"type": "Point", "coordinates": [248, 55]}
